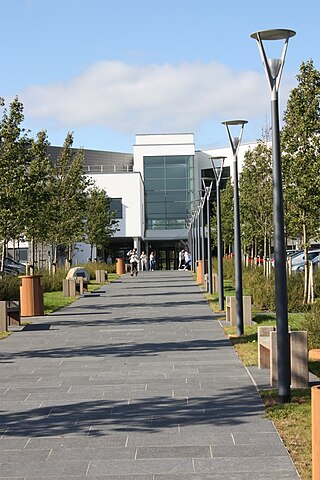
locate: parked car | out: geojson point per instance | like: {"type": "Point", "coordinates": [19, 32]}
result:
{"type": "Point", "coordinates": [13, 267]}
{"type": "Point", "coordinates": [298, 261]}
{"type": "Point", "coordinates": [315, 262]}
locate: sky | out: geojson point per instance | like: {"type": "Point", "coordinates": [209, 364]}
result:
{"type": "Point", "coordinates": [106, 70]}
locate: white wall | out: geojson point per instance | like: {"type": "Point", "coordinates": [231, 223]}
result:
{"type": "Point", "coordinates": [129, 187]}
{"type": "Point", "coordinates": [162, 144]}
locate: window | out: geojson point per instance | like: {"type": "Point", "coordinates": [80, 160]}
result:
{"type": "Point", "coordinates": [116, 206]}
{"type": "Point", "coordinates": [168, 185]}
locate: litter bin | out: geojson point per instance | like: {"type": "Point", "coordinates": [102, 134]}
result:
{"type": "Point", "coordinates": [31, 296]}
{"type": "Point", "coordinates": [199, 270]}
{"type": "Point", "coordinates": [120, 268]}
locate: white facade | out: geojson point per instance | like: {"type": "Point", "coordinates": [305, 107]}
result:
{"type": "Point", "coordinates": [128, 187]}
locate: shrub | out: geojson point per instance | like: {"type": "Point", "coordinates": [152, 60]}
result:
{"type": "Point", "coordinates": [93, 266]}
{"type": "Point", "coordinates": [10, 287]}
{"type": "Point", "coordinates": [311, 323]}
{"type": "Point", "coordinates": [52, 282]}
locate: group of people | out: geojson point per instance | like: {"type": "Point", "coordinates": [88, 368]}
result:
{"type": "Point", "coordinates": [145, 262]}
{"type": "Point", "coordinates": [184, 260]}
{"type": "Point", "coordinates": [134, 261]}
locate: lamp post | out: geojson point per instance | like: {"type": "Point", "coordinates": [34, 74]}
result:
{"type": "Point", "coordinates": [202, 233]}
{"type": "Point", "coordinates": [207, 196]}
{"type": "Point", "coordinates": [217, 170]}
{"type": "Point", "coordinates": [235, 144]}
{"type": "Point", "coordinates": [273, 70]}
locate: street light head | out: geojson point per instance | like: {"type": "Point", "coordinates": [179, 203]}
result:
{"type": "Point", "coordinates": [234, 122]}
{"type": "Point", "coordinates": [275, 34]}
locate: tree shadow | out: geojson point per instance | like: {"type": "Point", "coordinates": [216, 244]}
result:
{"type": "Point", "coordinates": [105, 417]}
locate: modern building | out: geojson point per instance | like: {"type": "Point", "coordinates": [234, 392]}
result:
{"type": "Point", "coordinates": [154, 190]}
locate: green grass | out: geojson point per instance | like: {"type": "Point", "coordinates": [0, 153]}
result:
{"type": "Point", "coordinates": [293, 422]}
{"type": "Point", "coordinates": [55, 300]}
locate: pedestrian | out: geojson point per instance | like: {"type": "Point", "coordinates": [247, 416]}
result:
{"type": "Point", "coordinates": [187, 260]}
{"type": "Point", "coordinates": [152, 261]}
{"type": "Point", "coordinates": [134, 259]}
{"type": "Point", "coordinates": [181, 260]}
{"type": "Point", "coordinates": [144, 261]}
{"type": "Point", "coordinates": [131, 252]}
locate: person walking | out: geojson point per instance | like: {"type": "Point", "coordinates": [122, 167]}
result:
{"type": "Point", "coordinates": [187, 260]}
{"type": "Point", "coordinates": [144, 261]}
{"type": "Point", "coordinates": [152, 261]}
{"type": "Point", "coordinates": [134, 259]}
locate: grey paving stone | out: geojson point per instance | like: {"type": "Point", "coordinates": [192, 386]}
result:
{"type": "Point", "coordinates": [140, 467]}
{"type": "Point", "coordinates": [135, 383]}
{"type": "Point", "coordinates": [173, 452]}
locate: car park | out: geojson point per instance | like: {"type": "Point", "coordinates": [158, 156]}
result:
{"type": "Point", "coordinates": [300, 266]}
{"type": "Point", "coordinates": [13, 267]}
{"type": "Point", "coordinates": [298, 261]}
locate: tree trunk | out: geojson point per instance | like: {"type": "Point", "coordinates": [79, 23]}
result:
{"type": "Point", "coordinates": [55, 259]}
{"type": "Point", "coordinates": [3, 255]}
{"type": "Point", "coordinates": [306, 264]}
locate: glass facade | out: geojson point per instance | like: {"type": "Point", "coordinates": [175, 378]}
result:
{"type": "Point", "coordinates": [168, 182]}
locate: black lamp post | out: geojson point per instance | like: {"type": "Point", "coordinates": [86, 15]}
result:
{"type": "Point", "coordinates": [217, 167]}
{"type": "Point", "coordinates": [273, 69]}
{"type": "Point", "coordinates": [207, 190]}
{"type": "Point", "coordinates": [235, 144]}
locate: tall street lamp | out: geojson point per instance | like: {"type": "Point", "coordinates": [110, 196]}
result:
{"type": "Point", "coordinates": [273, 68]}
{"type": "Point", "coordinates": [235, 144]}
{"type": "Point", "coordinates": [217, 167]}
{"type": "Point", "coordinates": [207, 196]}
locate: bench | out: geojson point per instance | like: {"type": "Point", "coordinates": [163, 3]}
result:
{"type": "Point", "coordinates": [101, 276]}
{"type": "Point", "coordinates": [72, 287]}
{"type": "Point", "coordinates": [231, 315]}
{"type": "Point", "coordinates": [9, 314]}
{"type": "Point", "coordinates": [268, 355]}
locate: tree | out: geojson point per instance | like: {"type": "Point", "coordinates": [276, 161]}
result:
{"type": "Point", "coordinates": [69, 199]}
{"type": "Point", "coordinates": [14, 156]}
{"type": "Point", "coordinates": [256, 197]}
{"type": "Point", "coordinates": [300, 144]}
{"type": "Point", "coordinates": [38, 193]}
{"type": "Point", "coordinates": [227, 215]}
{"type": "Point", "coordinates": [101, 223]}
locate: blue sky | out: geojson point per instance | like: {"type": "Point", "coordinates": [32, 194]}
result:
{"type": "Point", "coordinates": [107, 70]}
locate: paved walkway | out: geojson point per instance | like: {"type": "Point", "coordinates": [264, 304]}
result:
{"type": "Point", "coordinates": [135, 382]}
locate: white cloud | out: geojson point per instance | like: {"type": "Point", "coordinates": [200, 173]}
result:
{"type": "Point", "coordinates": [132, 99]}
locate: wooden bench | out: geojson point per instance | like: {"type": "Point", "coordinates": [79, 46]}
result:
{"type": "Point", "coordinates": [9, 314]}
{"type": "Point", "coordinates": [268, 355]}
{"type": "Point", "coordinates": [101, 276]}
{"type": "Point", "coordinates": [72, 287]}
{"type": "Point", "coordinates": [231, 315]}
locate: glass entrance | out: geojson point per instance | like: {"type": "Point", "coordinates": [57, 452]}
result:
{"type": "Point", "coordinates": [167, 258]}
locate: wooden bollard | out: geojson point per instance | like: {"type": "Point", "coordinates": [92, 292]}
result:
{"type": "Point", "coordinates": [315, 409]}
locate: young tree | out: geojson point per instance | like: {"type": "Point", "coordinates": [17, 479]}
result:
{"type": "Point", "coordinates": [101, 223]}
{"type": "Point", "coordinates": [227, 215]}
{"type": "Point", "coordinates": [256, 197]}
{"type": "Point", "coordinates": [14, 157]}
{"type": "Point", "coordinates": [69, 199]}
{"type": "Point", "coordinates": [38, 193]}
{"type": "Point", "coordinates": [300, 143]}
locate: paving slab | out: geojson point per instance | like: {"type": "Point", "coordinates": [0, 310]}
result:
{"type": "Point", "coordinates": [134, 382]}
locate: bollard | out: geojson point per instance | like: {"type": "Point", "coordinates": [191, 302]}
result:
{"type": "Point", "coordinates": [199, 272]}
{"type": "Point", "coordinates": [315, 409]}
{"type": "Point", "coordinates": [120, 267]}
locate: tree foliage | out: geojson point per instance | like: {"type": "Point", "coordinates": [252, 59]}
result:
{"type": "Point", "coordinates": [101, 223]}
{"type": "Point", "coordinates": [300, 143]}
{"type": "Point", "coordinates": [13, 166]}
{"type": "Point", "coordinates": [256, 197]}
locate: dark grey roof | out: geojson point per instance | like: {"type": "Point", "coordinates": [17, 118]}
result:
{"type": "Point", "coordinates": [98, 161]}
